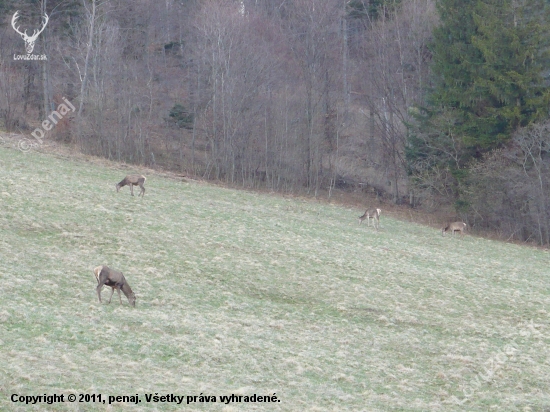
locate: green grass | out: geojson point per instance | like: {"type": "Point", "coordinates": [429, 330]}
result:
{"type": "Point", "coordinates": [245, 293]}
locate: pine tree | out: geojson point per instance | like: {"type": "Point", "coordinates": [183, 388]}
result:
{"type": "Point", "coordinates": [488, 63]}
{"type": "Point", "coordinates": [513, 43]}
{"type": "Point", "coordinates": [489, 59]}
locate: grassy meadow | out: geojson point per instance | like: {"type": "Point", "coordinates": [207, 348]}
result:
{"type": "Point", "coordinates": [246, 293]}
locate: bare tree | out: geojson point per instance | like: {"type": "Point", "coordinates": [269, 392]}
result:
{"type": "Point", "coordinates": [508, 187]}
{"type": "Point", "coordinates": [314, 30]}
{"type": "Point", "coordinates": [235, 61]}
{"type": "Point", "coordinates": [11, 90]}
{"type": "Point", "coordinates": [289, 95]}
{"type": "Point", "coordinates": [393, 55]}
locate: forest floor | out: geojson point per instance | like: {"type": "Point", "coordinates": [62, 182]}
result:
{"type": "Point", "coordinates": [244, 293]}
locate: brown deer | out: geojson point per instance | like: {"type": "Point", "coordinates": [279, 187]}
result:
{"type": "Point", "coordinates": [133, 180]}
{"type": "Point", "coordinates": [454, 227]}
{"type": "Point", "coordinates": [116, 280]}
{"type": "Point", "coordinates": [369, 214]}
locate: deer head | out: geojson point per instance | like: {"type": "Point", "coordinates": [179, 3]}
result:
{"type": "Point", "coordinates": [29, 40]}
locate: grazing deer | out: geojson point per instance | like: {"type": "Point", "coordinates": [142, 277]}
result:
{"type": "Point", "coordinates": [133, 180]}
{"type": "Point", "coordinates": [454, 227]}
{"type": "Point", "coordinates": [116, 280]}
{"type": "Point", "coordinates": [369, 214]}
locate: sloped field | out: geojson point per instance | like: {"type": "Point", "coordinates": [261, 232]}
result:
{"type": "Point", "coordinates": [244, 293]}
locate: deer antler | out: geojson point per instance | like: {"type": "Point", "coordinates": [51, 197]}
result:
{"type": "Point", "coordinates": [13, 21]}
{"type": "Point", "coordinates": [45, 20]}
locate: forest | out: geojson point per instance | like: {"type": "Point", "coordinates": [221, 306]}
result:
{"type": "Point", "coordinates": [434, 104]}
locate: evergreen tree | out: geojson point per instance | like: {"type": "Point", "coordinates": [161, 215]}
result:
{"type": "Point", "coordinates": [488, 66]}
{"type": "Point", "coordinates": [513, 41]}
{"type": "Point", "coordinates": [489, 58]}
{"type": "Point", "coordinates": [372, 9]}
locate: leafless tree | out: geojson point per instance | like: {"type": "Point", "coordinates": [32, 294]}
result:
{"type": "Point", "coordinates": [394, 56]}
{"type": "Point", "coordinates": [508, 187]}
{"type": "Point", "coordinates": [288, 95]}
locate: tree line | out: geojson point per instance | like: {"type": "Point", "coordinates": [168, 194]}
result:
{"type": "Point", "coordinates": [478, 140]}
{"type": "Point", "coordinates": [421, 101]}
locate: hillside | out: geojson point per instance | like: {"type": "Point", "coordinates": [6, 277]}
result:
{"type": "Point", "coordinates": [245, 293]}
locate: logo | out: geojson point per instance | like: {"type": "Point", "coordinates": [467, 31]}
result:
{"type": "Point", "coordinates": [29, 40]}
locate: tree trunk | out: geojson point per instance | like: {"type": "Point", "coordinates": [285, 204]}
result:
{"type": "Point", "coordinates": [84, 78]}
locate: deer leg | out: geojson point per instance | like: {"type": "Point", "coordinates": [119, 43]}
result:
{"type": "Point", "coordinates": [131, 189]}
{"type": "Point", "coordinates": [100, 284]}
{"type": "Point", "coordinates": [142, 193]}
{"type": "Point", "coordinates": [98, 289]}
{"type": "Point", "coordinates": [119, 298]}
{"type": "Point", "coordinates": [110, 297]}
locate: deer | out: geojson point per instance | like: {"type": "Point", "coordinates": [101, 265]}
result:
{"type": "Point", "coordinates": [373, 214]}
{"type": "Point", "coordinates": [116, 280]}
{"type": "Point", "coordinates": [133, 180]}
{"type": "Point", "coordinates": [454, 227]}
{"type": "Point", "coordinates": [29, 40]}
